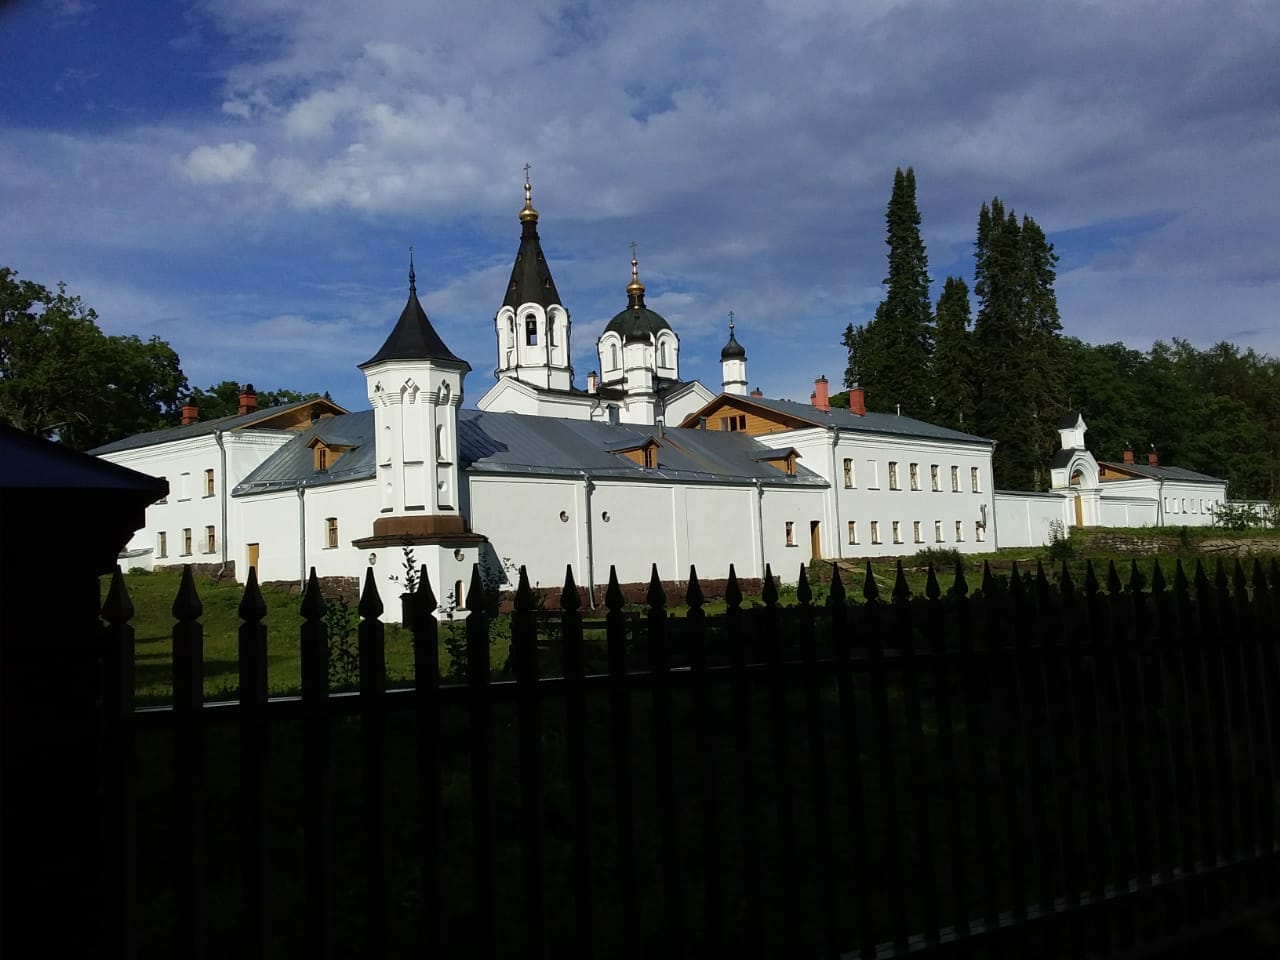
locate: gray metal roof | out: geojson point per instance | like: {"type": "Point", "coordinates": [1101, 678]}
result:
{"type": "Point", "coordinates": [886, 423]}
{"type": "Point", "coordinates": [519, 444]}
{"type": "Point", "coordinates": [199, 429]}
{"type": "Point", "coordinates": [1163, 473]}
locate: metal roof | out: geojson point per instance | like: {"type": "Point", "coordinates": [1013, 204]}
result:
{"type": "Point", "coordinates": [531, 280]}
{"type": "Point", "coordinates": [29, 462]}
{"type": "Point", "coordinates": [413, 337]}
{"type": "Point", "coordinates": [886, 423]}
{"type": "Point", "coordinates": [1162, 473]}
{"type": "Point", "coordinates": [199, 429]}
{"type": "Point", "coordinates": [520, 444]}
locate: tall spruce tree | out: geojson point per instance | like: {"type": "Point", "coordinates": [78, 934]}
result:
{"type": "Point", "coordinates": [1019, 356]}
{"type": "Point", "coordinates": [894, 348]}
{"type": "Point", "coordinates": [952, 363]}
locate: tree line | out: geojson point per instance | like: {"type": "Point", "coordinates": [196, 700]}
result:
{"type": "Point", "coordinates": [62, 378]}
{"type": "Point", "coordinates": [1009, 374]}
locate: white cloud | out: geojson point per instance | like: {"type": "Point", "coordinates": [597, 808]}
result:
{"type": "Point", "coordinates": [222, 163]}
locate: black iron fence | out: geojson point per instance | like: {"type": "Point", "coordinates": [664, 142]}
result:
{"type": "Point", "coordinates": [1036, 768]}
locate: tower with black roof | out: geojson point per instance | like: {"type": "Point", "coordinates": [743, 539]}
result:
{"type": "Point", "coordinates": [639, 353]}
{"type": "Point", "coordinates": [733, 365]}
{"type": "Point", "coordinates": [532, 324]}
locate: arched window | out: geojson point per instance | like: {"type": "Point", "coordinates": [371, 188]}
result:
{"type": "Point", "coordinates": [662, 353]}
{"type": "Point", "coordinates": [530, 331]}
{"type": "Point", "coordinates": [613, 356]}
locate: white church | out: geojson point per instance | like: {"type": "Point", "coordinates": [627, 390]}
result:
{"type": "Point", "coordinates": [635, 468]}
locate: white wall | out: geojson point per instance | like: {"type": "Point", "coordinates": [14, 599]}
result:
{"type": "Point", "coordinates": [1023, 519]}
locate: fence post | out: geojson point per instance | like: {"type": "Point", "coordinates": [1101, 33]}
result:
{"type": "Point", "coordinates": [620, 728]}
{"type": "Point", "coordinates": [373, 685]}
{"type": "Point", "coordinates": [188, 767]}
{"type": "Point", "coordinates": [118, 772]}
{"type": "Point", "coordinates": [316, 840]}
{"type": "Point", "coordinates": [524, 654]}
{"type": "Point", "coordinates": [426, 685]}
{"type": "Point", "coordinates": [253, 753]}
{"type": "Point", "coordinates": [744, 774]}
{"type": "Point", "coordinates": [575, 706]}
{"type": "Point", "coordinates": [481, 730]}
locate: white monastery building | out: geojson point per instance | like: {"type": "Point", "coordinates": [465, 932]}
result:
{"type": "Point", "coordinates": [637, 468]}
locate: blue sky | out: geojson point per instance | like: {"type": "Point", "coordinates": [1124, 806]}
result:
{"type": "Point", "coordinates": [243, 177]}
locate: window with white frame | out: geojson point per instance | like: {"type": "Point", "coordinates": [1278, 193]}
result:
{"type": "Point", "coordinates": [162, 544]}
{"type": "Point", "coordinates": [893, 474]}
{"type": "Point", "coordinates": [955, 479]}
{"type": "Point", "coordinates": [915, 531]}
{"type": "Point", "coordinates": [210, 539]}
{"type": "Point", "coordinates": [791, 534]}
{"type": "Point", "coordinates": [208, 483]}
{"type": "Point", "coordinates": [186, 541]}
{"type": "Point", "coordinates": [934, 480]}
{"type": "Point", "coordinates": [937, 531]}
{"type": "Point", "coordinates": [979, 531]}
{"type": "Point", "coordinates": [331, 532]}
{"type": "Point", "coordinates": [848, 472]}
{"type": "Point", "coordinates": [959, 531]}
{"type": "Point", "coordinates": [973, 480]}
{"type": "Point", "coordinates": [915, 476]}
{"type": "Point", "coordinates": [853, 531]}
{"type": "Point", "coordinates": [897, 531]}
{"type": "Point", "coordinates": [875, 531]}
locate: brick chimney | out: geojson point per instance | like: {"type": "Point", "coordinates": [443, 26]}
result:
{"type": "Point", "coordinates": [1128, 454]}
{"type": "Point", "coordinates": [757, 392]}
{"type": "Point", "coordinates": [1153, 458]}
{"type": "Point", "coordinates": [248, 399]}
{"type": "Point", "coordinates": [821, 399]}
{"type": "Point", "coordinates": [190, 414]}
{"type": "Point", "coordinates": [857, 400]}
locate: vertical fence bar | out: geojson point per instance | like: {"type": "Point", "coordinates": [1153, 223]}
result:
{"type": "Point", "coordinates": [316, 809]}
{"type": "Point", "coordinates": [119, 773]}
{"type": "Point", "coordinates": [575, 707]}
{"type": "Point", "coordinates": [713, 930]}
{"type": "Point", "coordinates": [524, 642]}
{"type": "Point", "coordinates": [254, 732]}
{"type": "Point", "coordinates": [482, 802]}
{"type": "Point", "coordinates": [664, 760]}
{"type": "Point", "coordinates": [1042, 653]}
{"type": "Point", "coordinates": [1092, 646]}
{"type": "Point", "coordinates": [821, 884]}
{"type": "Point", "coordinates": [425, 629]}
{"type": "Point", "coordinates": [623, 791]}
{"type": "Point", "coordinates": [1245, 683]}
{"type": "Point", "coordinates": [746, 806]}
{"type": "Point", "coordinates": [1260, 641]}
{"type": "Point", "coordinates": [373, 685]}
{"type": "Point", "coordinates": [783, 846]}
{"type": "Point", "coordinates": [188, 767]}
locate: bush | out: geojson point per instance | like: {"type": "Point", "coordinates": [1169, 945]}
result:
{"type": "Point", "coordinates": [1236, 516]}
{"type": "Point", "coordinates": [942, 558]}
{"type": "Point", "coordinates": [1060, 545]}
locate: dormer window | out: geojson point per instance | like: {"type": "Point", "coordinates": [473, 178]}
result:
{"type": "Point", "coordinates": [325, 455]}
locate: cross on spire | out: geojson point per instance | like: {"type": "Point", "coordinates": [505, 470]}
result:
{"type": "Point", "coordinates": [412, 278]}
{"type": "Point", "coordinates": [731, 321]}
{"type": "Point", "coordinates": [526, 173]}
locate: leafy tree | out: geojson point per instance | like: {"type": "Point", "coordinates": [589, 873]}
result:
{"type": "Point", "coordinates": [953, 370]}
{"type": "Point", "coordinates": [893, 355]}
{"type": "Point", "coordinates": [60, 376]}
{"type": "Point", "coordinates": [223, 399]}
{"type": "Point", "coordinates": [1104, 382]}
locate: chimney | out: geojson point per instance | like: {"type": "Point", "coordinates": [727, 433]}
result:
{"type": "Point", "coordinates": [593, 382]}
{"type": "Point", "coordinates": [757, 392]}
{"type": "Point", "coordinates": [1153, 458]}
{"type": "Point", "coordinates": [857, 400]}
{"type": "Point", "coordinates": [190, 414]}
{"type": "Point", "coordinates": [1128, 454]}
{"type": "Point", "coordinates": [821, 399]}
{"type": "Point", "coordinates": [248, 399]}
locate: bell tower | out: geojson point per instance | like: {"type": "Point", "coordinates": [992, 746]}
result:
{"type": "Point", "coordinates": [733, 365]}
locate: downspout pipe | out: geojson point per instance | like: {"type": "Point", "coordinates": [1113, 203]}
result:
{"type": "Point", "coordinates": [588, 485]}
{"type": "Point", "coordinates": [836, 487]}
{"type": "Point", "coordinates": [302, 537]}
{"type": "Point", "coordinates": [222, 479]}
{"type": "Point", "coordinates": [760, 522]}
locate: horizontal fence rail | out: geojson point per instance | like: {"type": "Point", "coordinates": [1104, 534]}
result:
{"type": "Point", "coordinates": [1033, 767]}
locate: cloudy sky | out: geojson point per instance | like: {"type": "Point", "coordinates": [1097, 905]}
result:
{"type": "Point", "coordinates": [243, 177]}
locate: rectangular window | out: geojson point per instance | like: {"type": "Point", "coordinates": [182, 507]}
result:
{"type": "Point", "coordinates": [973, 479]}
{"type": "Point", "coordinates": [184, 487]}
{"type": "Point", "coordinates": [897, 531]}
{"type": "Point", "coordinates": [848, 472]}
{"type": "Point", "coordinates": [531, 332]}
{"type": "Point", "coordinates": [791, 534]}
{"type": "Point", "coordinates": [322, 459]}
{"type": "Point", "coordinates": [955, 479]}
{"type": "Point", "coordinates": [915, 531]}
{"type": "Point", "coordinates": [937, 531]}
{"type": "Point", "coordinates": [915, 476]}
{"type": "Point", "coordinates": [959, 531]}
{"type": "Point", "coordinates": [162, 544]}
{"type": "Point", "coordinates": [331, 532]}
{"type": "Point", "coordinates": [853, 531]}
{"type": "Point", "coordinates": [208, 483]}
{"type": "Point", "coordinates": [934, 479]}
{"type": "Point", "coordinates": [893, 474]}
{"type": "Point", "coordinates": [210, 540]}
{"type": "Point", "coordinates": [979, 531]}
{"type": "Point", "coordinates": [875, 531]}
{"type": "Point", "coordinates": [186, 541]}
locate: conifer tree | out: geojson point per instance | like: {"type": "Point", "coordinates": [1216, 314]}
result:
{"type": "Point", "coordinates": [895, 346]}
{"type": "Point", "coordinates": [952, 362]}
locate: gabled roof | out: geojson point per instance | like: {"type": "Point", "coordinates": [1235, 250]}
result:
{"type": "Point", "coordinates": [1160, 473]}
{"type": "Point", "coordinates": [29, 462]}
{"type": "Point", "coordinates": [413, 337]}
{"type": "Point", "coordinates": [258, 420]}
{"type": "Point", "coordinates": [294, 465]}
{"type": "Point", "coordinates": [792, 415]}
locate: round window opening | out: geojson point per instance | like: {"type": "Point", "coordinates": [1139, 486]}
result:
{"type": "Point", "coordinates": [564, 517]}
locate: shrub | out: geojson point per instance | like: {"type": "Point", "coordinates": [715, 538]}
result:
{"type": "Point", "coordinates": [1236, 516]}
{"type": "Point", "coordinates": [1060, 545]}
{"type": "Point", "coordinates": [942, 558]}
{"type": "Point", "coordinates": [341, 620]}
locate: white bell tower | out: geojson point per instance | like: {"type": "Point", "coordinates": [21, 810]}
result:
{"type": "Point", "coordinates": [733, 365]}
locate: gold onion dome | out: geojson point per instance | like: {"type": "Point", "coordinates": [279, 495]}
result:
{"type": "Point", "coordinates": [528, 214]}
{"type": "Point", "coordinates": [635, 288]}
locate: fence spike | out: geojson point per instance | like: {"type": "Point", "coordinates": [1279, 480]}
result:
{"type": "Point", "coordinates": [187, 605]}
{"type": "Point", "coordinates": [424, 596]}
{"type": "Point", "coordinates": [931, 588]}
{"type": "Point", "coordinates": [693, 596]}
{"type": "Point", "coordinates": [1220, 580]}
{"type": "Point", "coordinates": [475, 592]}
{"type": "Point", "coordinates": [252, 607]}
{"type": "Point", "coordinates": [656, 597]}
{"type": "Point", "coordinates": [524, 593]}
{"type": "Point", "coordinates": [803, 594]}
{"type": "Point", "coordinates": [613, 598]}
{"type": "Point", "coordinates": [1239, 580]}
{"type": "Point", "coordinates": [1181, 586]}
{"type": "Point", "coordinates": [370, 605]}
{"type": "Point", "coordinates": [1158, 584]}
{"type": "Point", "coordinates": [732, 592]}
{"type": "Point", "coordinates": [1201, 580]}
{"type": "Point", "coordinates": [769, 590]}
{"type": "Point", "coordinates": [313, 605]}
{"type": "Point", "coordinates": [1137, 579]}
{"type": "Point", "coordinates": [870, 592]}
{"type": "Point", "coordinates": [569, 599]}
{"type": "Point", "coordinates": [836, 596]}
{"type": "Point", "coordinates": [1015, 580]}
{"type": "Point", "coordinates": [117, 608]}
{"type": "Point", "coordinates": [988, 580]}
{"type": "Point", "coordinates": [1091, 585]}
{"type": "Point", "coordinates": [901, 592]}
{"type": "Point", "coordinates": [960, 586]}
{"type": "Point", "coordinates": [1113, 578]}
